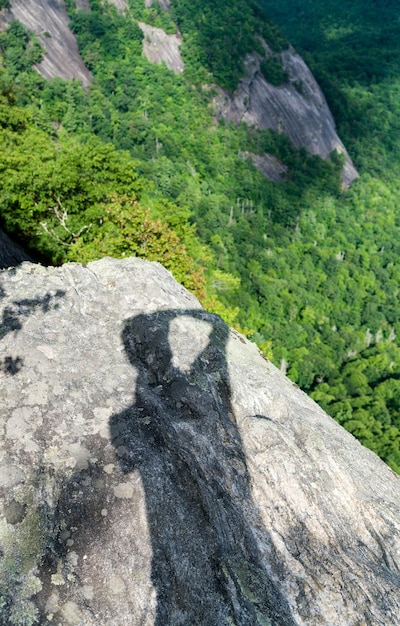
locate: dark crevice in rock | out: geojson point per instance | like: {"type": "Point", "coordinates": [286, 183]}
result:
{"type": "Point", "coordinates": [11, 254]}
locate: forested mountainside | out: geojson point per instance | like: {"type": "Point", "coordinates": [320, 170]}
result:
{"type": "Point", "coordinates": [141, 161]}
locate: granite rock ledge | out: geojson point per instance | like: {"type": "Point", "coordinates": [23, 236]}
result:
{"type": "Point", "coordinates": [156, 470]}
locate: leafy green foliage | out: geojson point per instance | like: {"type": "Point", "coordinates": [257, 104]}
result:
{"type": "Point", "coordinates": [52, 190]}
{"type": "Point", "coordinates": [310, 270]}
{"type": "Point", "coordinates": [18, 49]}
{"type": "Point", "coordinates": [64, 197]}
{"type": "Point", "coordinates": [126, 228]}
{"type": "Point", "coordinates": [102, 39]}
{"type": "Point", "coordinates": [154, 15]}
{"type": "Point", "coordinates": [217, 36]}
{"type": "Point", "coordinates": [273, 72]}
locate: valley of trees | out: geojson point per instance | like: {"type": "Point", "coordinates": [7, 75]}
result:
{"type": "Point", "coordinates": [139, 164]}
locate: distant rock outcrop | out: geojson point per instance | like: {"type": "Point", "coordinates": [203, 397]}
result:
{"type": "Point", "coordinates": [156, 470]}
{"type": "Point", "coordinates": [159, 47]}
{"type": "Point", "coordinates": [49, 21]}
{"type": "Point", "coordinates": [268, 165]}
{"type": "Point", "coordinates": [296, 108]}
{"type": "Point", "coordinates": [164, 4]}
{"type": "Point", "coordinates": [120, 4]}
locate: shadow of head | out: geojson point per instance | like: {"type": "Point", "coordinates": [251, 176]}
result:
{"type": "Point", "coordinates": [147, 339]}
{"type": "Point", "coordinates": [174, 405]}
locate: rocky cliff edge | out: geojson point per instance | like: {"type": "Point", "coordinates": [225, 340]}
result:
{"type": "Point", "coordinates": [156, 469]}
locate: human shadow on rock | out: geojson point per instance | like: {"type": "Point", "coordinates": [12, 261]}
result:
{"type": "Point", "coordinates": [181, 435]}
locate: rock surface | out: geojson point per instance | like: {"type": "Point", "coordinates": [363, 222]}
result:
{"type": "Point", "coordinates": [296, 108]}
{"type": "Point", "coordinates": [164, 4]}
{"type": "Point", "coordinates": [121, 5]}
{"type": "Point", "coordinates": [49, 21]}
{"type": "Point", "coordinates": [269, 166]}
{"type": "Point", "coordinates": [159, 47]}
{"type": "Point", "coordinates": [156, 470]}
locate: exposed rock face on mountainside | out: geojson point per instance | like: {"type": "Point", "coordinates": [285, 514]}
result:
{"type": "Point", "coordinates": [164, 4]}
{"type": "Point", "coordinates": [85, 4]}
{"type": "Point", "coordinates": [120, 4]}
{"type": "Point", "coordinates": [268, 165]}
{"type": "Point", "coordinates": [159, 47]}
{"type": "Point", "coordinates": [49, 21]}
{"type": "Point", "coordinates": [155, 469]}
{"type": "Point", "coordinates": [296, 108]}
